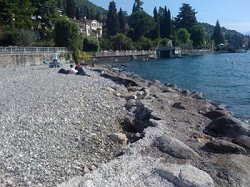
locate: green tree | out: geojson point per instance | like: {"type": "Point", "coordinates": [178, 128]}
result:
{"type": "Point", "coordinates": [144, 44]}
{"type": "Point", "coordinates": [7, 13]}
{"type": "Point", "coordinates": [67, 35]}
{"type": "Point", "coordinates": [186, 17]}
{"type": "Point", "coordinates": [137, 6]}
{"type": "Point", "coordinates": [165, 42]}
{"type": "Point", "coordinates": [198, 36]}
{"type": "Point", "coordinates": [157, 24]}
{"type": "Point", "coordinates": [45, 16]}
{"type": "Point", "coordinates": [23, 37]}
{"type": "Point", "coordinates": [16, 14]}
{"type": "Point", "coordinates": [122, 21]}
{"type": "Point", "coordinates": [183, 36]}
{"type": "Point", "coordinates": [71, 8]}
{"type": "Point", "coordinates": [217, 35]}
{"type": "Point", "coordinates": [112, 22]}
{"type": "Point", "coordinates": [121, 42]}
{"type": "Point", "coordinates": [141, 23]}
{"type": "Point", "coordinates": [169, 27]}
{"type": "Point", "coordinates": [90, 44]}
{"type": "Point", "coordinates": [23, 15]}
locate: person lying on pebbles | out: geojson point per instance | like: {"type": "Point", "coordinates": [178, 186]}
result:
{"type": "Point", "coordinates": [78, 70]}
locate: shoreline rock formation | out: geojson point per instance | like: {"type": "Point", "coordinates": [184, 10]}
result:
{"type": "Point", "coordinates": [177, 138]}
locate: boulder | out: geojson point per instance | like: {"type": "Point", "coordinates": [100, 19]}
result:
{"type": "Point", "coordinates": [227, 126]}
{"type": "Point", "coordinates": [243, 141]}
{"type": "Point", "coordinates": [131, 171]}
{"type": "Point", "coordinates": [175, 148]}
{"type": "Point", "coordinates": [179, 106]}
{"type": "Point", "coordinates": [124, 172]}
{"type": "Point", "coordinates": [186, 176]}
{"type": "Point", "coordinates": [224, 147]}
{"type": "Point", "coordinates": [127, 82]}
{"type": "Point", "coordinates": [119, 138]}
{"type": "Point", "coordinates": [215, 114]}
{"type": "Point", "coordinates": [130, 103]}
{"type": "Point", "coordinates": [197, 95]}
{"type": "Point", "coordinates": [234, 169]}
{"type": "Point", "coordinates": [186, 92]}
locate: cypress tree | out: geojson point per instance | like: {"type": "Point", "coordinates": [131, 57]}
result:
{"type": "Point", "coordinates": [217, 35]}
{"type": "Point", "coordinates": [169, 24]}
{"type": "Point", "coordinates": [155, 15]}
{"type": "Point", "coordinates": [122, 21]}
{"type": "Point", "coordinates": [70, 8]}
{"type": "Point", "coordinates": [112, 22]}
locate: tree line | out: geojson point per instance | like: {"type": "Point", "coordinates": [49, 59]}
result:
{"type": "Point", "coordinates": [142, 31]}
{"type": "Point", "coordinates": [32, 22]}
{"type": "Point", "coordinates": [41, 22]}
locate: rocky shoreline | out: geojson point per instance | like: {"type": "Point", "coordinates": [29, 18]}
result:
{"type": "Point", "coordinates": [172, 137]}
{"type": "Point", "coordinates": [113, 129]}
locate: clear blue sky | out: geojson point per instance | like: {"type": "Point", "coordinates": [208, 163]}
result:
{"type": "Point", "coordinates": [233, 14]}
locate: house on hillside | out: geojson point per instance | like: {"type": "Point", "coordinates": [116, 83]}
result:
{"type": "Point", "coordinates": [90, 27]}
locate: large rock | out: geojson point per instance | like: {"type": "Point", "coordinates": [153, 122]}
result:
{"type": "Point", "coordinates": [138, 116]}
{"type": "Point", "coordinates": [186, 176]}
{"type": "Point", "coordinates": [233, 168]}
{"type": "Point", "coordinates": [215, 114]}
{"type": "Point", "coordinates": [242, 141]}
{"type": "Point", "coordinates": [119, 138]}
{"type": "Point", "coordinates": [179, 106]}
{"type": "Point", "coordinates": [223, 146]}
{"type": "Point", "coordinates": [175, 148]}
{"type": "Point", "coordinates": [124, 172]}
{"type": "Point", "coordinates": [126, 81]}
{"type": "Point", "coordinates": [227, 126]}
{"type": "Point", "coordinates": [131, 171]}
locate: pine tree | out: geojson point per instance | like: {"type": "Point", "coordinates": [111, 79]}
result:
{"type": "Point", "coordinates": [122, 21]}
{"type": "Point", "coordinates": [186, 17]}
{"type": "Point", "coordinates": [112, 22]}
{"type": "Point", "coordinates": [217, 35]}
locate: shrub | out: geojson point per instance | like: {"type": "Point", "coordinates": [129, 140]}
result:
{"type": "Point", "coordinates": [66, 34]}
{"type": "Point", "coordinates": [19, 37]}
{"type": "Point", "coordinates": [183, 36]}
{"type": "Point", "coordinates": [165, 42]}
{"type": "Point", "coordinates": [90, 44]}
{"type": "Point", "coordinates": [144, 44]}
{"type": "Point", "coordinates": [121, 42]}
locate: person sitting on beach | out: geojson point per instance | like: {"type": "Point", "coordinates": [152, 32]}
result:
{"type": "Point", "coordinates": [72, 69]}
{"type": "Point", "coordinates": [79, 70]}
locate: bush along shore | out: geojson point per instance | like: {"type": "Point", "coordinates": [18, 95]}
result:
{"type": "Point", "coordinates": [171, 137]}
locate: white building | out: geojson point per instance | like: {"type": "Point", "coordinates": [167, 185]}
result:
{"type": "Point", "coordinates": [90, 27]}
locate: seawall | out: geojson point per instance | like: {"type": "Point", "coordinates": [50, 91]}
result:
{"type": "Point", "coordinates": [22, 56]}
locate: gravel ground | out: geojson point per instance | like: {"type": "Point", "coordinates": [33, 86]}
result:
{"type": "Point", "coordinates": [53, 125]}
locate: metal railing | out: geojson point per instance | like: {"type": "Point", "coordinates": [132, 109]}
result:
{"type": "Point", "coordinates": [12, 50]}
{"type": "Point", "coordinates": [124, 53]}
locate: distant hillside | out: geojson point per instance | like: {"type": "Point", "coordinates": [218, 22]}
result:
{"type": "Point", "coordinates": [233, 37]}
{"type": "Point", "coordinates": [91, 6]}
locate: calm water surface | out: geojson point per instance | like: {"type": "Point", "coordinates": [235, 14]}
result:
{"type": "Point", "coordinates": [224, 78]}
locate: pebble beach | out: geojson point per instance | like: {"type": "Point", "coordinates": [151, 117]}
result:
{"type": "Point", "coordinates": [54, 126]}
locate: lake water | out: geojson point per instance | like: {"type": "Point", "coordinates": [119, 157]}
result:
{"type": "Point", "coordinates": [223, 78]}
